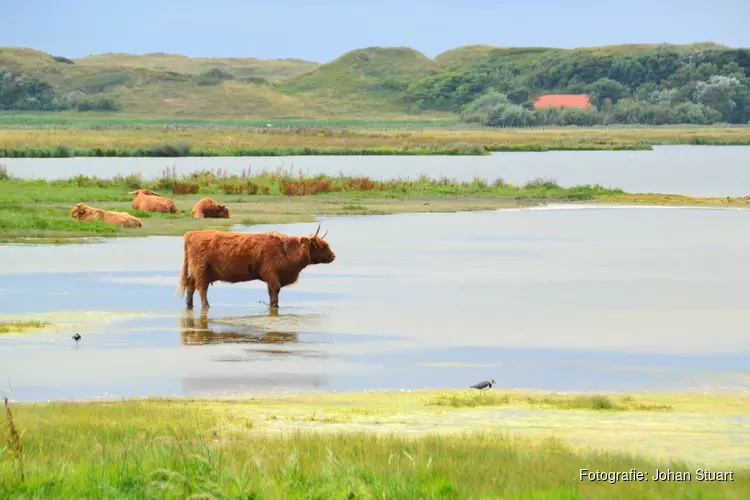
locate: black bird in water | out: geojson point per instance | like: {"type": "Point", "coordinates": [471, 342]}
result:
{"type": "Point", "coordinates": [77, 337]}
{"type": "Point", "coordinates": [484, 384]}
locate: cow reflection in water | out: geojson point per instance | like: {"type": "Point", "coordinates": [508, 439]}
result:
{"type": "Point", "coordinates": [195, 331]}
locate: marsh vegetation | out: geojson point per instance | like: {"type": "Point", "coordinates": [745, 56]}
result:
{"type": "Point", "coordinates": [33, 209]}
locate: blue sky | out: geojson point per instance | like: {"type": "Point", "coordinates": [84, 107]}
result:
{"type": "Point", "coordinates": [321, 30]}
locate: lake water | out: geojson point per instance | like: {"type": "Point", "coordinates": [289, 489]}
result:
{"type": "Point", "coordinates": [561, 297]}
{"type": "Point", "coordinates": [689, 170]}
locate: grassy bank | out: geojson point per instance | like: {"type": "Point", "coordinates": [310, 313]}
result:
{"type": "Point", "coordinates": [34, 210]}
{"type": "Point", "coordinates": [356, 446]}
{"type": "Point", "coordinates": [38, 211]}
{"type": "Point", "coordinates": [152, 141]}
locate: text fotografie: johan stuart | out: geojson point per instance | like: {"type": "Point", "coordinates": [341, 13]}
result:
{"type": "Point", "coordinates": [658, 475]}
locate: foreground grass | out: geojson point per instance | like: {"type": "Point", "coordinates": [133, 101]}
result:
{"type": "Point", "coordinates": [151, 141]}
{"type": "Point", "coordinates": [36, 210]}
{"type": "Point", "coordinates": [226, 449]}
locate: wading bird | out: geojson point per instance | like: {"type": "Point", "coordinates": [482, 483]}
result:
{"type": "Point", "coordinates": [77, 337]}
{"type": "Point", "coordinates": [484, 384]}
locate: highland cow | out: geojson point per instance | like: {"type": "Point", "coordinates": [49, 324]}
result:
{"type": "Point", "coordinates": [274, 258]}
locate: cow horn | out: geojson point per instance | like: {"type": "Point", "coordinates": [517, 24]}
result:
{"type": "Point", "coordinates": [133, 192]}
{"type": "Point", "coordinates": [324, 234]}
{"type": "Point", "coordinates": [318, 230]}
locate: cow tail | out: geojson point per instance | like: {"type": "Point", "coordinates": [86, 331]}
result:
{"type": "Point", "coordinates": [185, 274]}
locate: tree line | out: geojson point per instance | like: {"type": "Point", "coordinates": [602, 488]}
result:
{"type": "Point", "coordinates": [626, 85]}
{"type": "Point", "coordinates": [657, 86]}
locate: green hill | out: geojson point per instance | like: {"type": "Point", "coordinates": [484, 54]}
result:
{"type": "Point", "coordinates": [644, 83]}
{"type": "Point", "coordinates": [463, 56]}
{"type": "Point", "coordinates": [364, 79]}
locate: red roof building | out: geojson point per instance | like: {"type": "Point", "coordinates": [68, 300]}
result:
{"type": "Point", "coordinates": [563, 101]}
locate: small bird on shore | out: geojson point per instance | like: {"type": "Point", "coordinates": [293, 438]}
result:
{"type": "Point", "coordinates": [484, 384]}
{"type": "Point", "coordinates": [77, 337]}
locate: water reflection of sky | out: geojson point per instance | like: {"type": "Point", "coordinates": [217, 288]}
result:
{"type": "Point", "coordinates": [557, 299]}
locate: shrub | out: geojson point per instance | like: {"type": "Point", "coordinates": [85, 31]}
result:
{"type": "Point", "coordinates": [290, 188]}
{"type": "Point", "coordinates": [185, 188]}
{"type": "Point", "coordinates": [359, 184]}
{"type": "Point", "coordinates": [233, 188]}
{"type": "Point", "coordinates": [62, 59]}
{"type": "Point", "coordinates": [540, 183]}
{"type": "Point", "coordinates": [178, 149]}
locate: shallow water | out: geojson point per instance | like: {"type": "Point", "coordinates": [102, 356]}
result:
{"type": "Point", "coordinates": [689, 170]}
{"type": "Point", "coordinates": [565, 298]}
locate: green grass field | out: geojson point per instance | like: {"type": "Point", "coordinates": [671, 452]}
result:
{"type": "Point", "coordinates": [361, 445]}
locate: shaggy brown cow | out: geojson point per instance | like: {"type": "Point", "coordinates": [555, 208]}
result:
{"type": "Point", "coordinates": [147, 200]}
{"type": "Point", "coordinates": [275, 258]}
{"type": "Point", "coordinates": [209, 209]}
{"type": "Point", "coordinates": [84, 212]}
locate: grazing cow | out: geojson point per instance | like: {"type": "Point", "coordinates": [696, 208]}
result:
{"type": "Point", "coordinates": [209, 209]}
{"type": "Point", "coordinates": [274, 258]}
{"type": "Point", "coordinates": [84, 212]}
{"type": "Point", "coordinates": [147, 200]}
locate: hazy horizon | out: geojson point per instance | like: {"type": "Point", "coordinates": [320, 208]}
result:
{"type": "Point", "coordinates": [330, 28]}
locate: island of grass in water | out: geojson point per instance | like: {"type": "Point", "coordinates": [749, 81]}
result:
{"type": "Point", "coordinates": [38, 211]}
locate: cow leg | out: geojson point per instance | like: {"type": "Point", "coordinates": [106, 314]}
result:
{"type": "Point", "coordinates": [201, 283]}
{"type": "Point", "coordinates": [190, 293]}
{"type": "Point", "coordinates": [273, 292]}
{"type": "Point", "coordinates": [203, 292]}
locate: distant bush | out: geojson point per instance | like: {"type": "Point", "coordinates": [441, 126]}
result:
{"type": "Point", "coordinates": [257, 80]}
{"type": "Point", "coordinates": [19, 91]}
{"type": "Point", "coordinates": [213, 77]}
{"type": "Point", "coordinates": [185, 188]}
{"type": "Point", "coordinates": [61, 59]}
{"type": "Point", "coordinates": [170, 150]}
{"type": "Point", "coordinates": [540, 183]}
{"type": "Point", "coordinates": [104, 104]}
{"type": "Point", "coordinates": [4, 175]}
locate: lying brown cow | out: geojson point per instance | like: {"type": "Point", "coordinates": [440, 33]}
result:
{"type": "Point", "coordinates": [147, 200]}
{"type": "Point", "coordinates": [206, 208]}
{"type": "Point", "coordinates": [275, 258]}
{"type": "Point", "coordinates": [84, 212]}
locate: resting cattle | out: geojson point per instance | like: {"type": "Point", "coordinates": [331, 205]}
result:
{"type": "Point", "coordinates": [147, 200]}
{"type": "Point", "coordinates": [84, 212]}
{"type": "Point", "coordinates": [209, 209]}
{"type": "Point", "coordinates": [274, 258]}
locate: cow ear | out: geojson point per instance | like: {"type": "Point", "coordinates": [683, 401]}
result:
{"type": "Point", "coordinates": [305, 241]}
